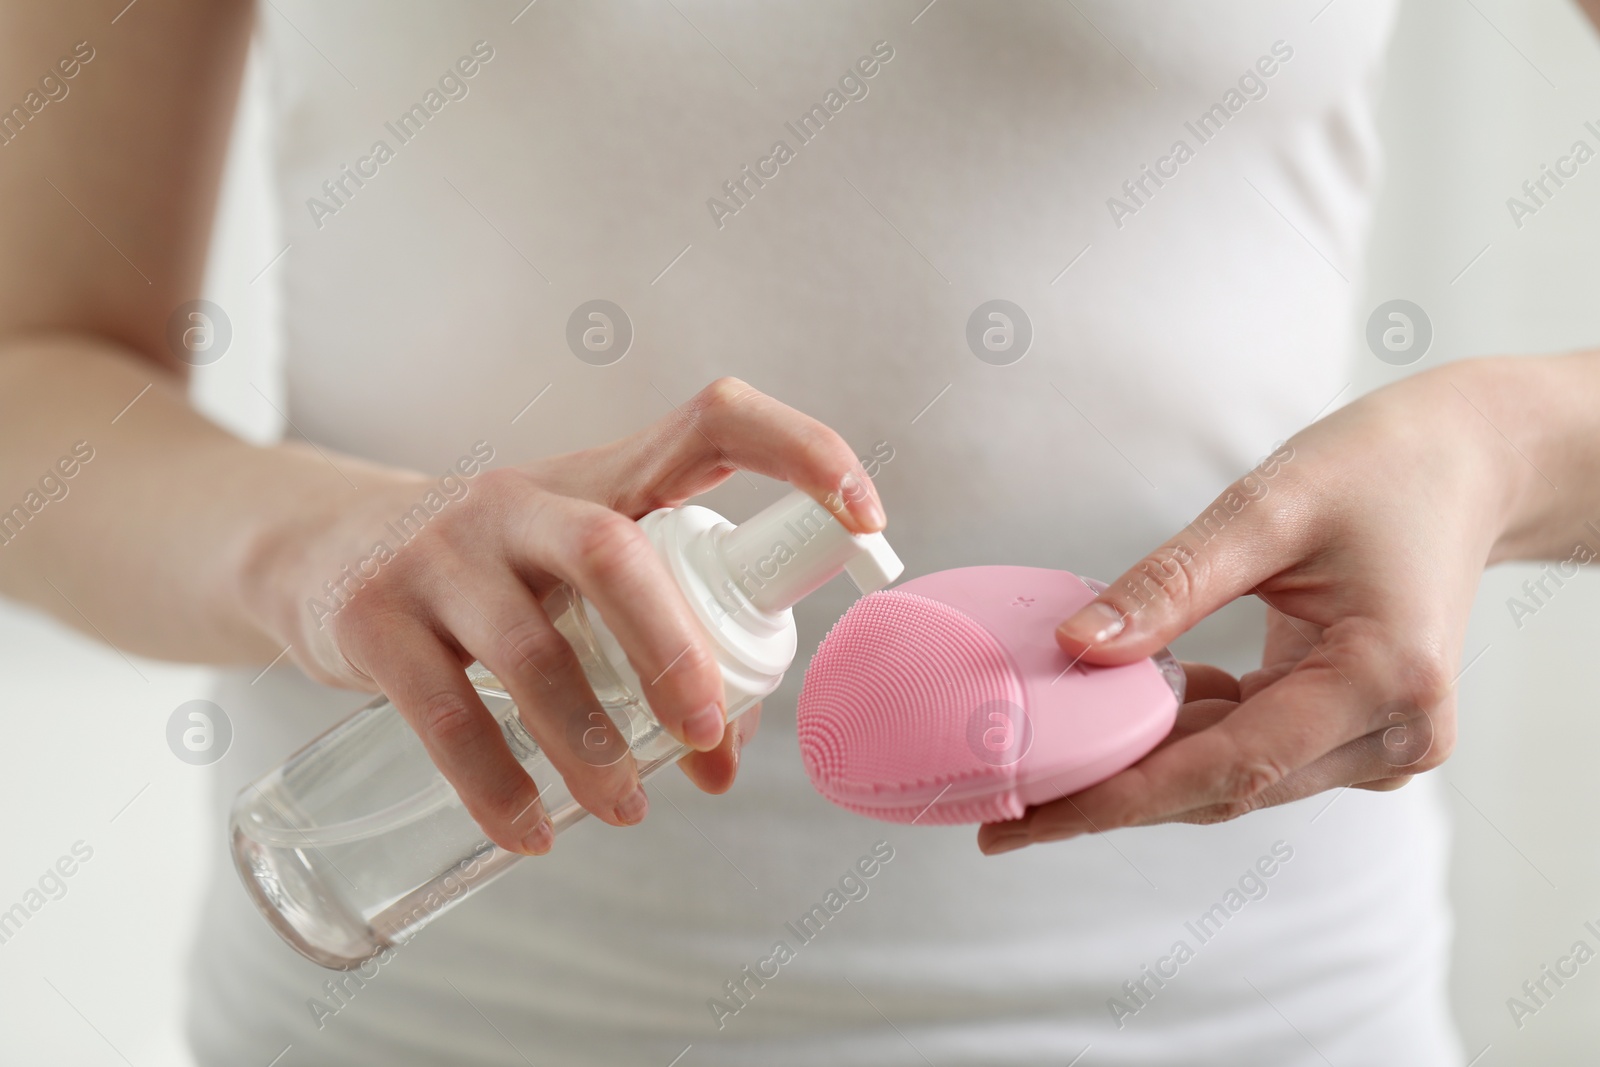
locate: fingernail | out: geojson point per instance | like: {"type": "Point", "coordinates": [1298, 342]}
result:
{"type": "Point", "coordinates": [1008, 843]}
{"type": "Point", "coordinates": [537, 842]}
{"type": "Point", "coordinates": [632, 809]}
{"type": "Point", "coordinates": [703, 729]}
{"type": "Point", "coordinates": [870, 513]}
{"type": "Point", "coordinates": [1093, 623]}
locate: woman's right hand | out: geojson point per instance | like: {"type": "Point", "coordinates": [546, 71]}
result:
{"type": "Point", "coordinates": [467, 586]}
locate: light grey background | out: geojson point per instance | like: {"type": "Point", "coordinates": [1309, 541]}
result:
{"type": "Point", "coordinates": [1480, 93]}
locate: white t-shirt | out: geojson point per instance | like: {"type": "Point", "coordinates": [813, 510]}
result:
{"type": "Point", "coordinates": [1175, 195]}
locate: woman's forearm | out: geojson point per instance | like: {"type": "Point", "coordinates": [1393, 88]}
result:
{"type": "Point", "coordinates": [127, 514]}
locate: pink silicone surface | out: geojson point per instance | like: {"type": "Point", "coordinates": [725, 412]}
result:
{"type": "Point", "coordinates": [887, 710]}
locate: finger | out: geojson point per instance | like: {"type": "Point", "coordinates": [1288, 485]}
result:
{"type": "Point", "coordinates": [1382, 760]}
{"type": "Point", "coordinates": [1197, 715]}
{"type": "Point", "coordinates": [1205, 682]}
{"type": "Point", "coordinates": [425, 681]}
{"type": "Point", "coordinates": [1232, 765]}
{"type": "Point", "coordinates": [730, 426]}
{"type": "Point", "coordinates": [611, 562]}
{"type": "Point", "coordinates": [1399, 739]}
{"type": "Point", "coordinates": [1193, 716]}
{"type": "Point", "coordinates": [504, 627]}
{"type": "Point", "coordinates": [713, 772]}
{"type": "Point", "coordinates": [1394, 742]}
{"type": "Point", "coordinates": [1244, 538]}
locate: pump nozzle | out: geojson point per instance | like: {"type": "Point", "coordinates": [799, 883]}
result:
{"type": "Point", "coordinates": [785, 552]}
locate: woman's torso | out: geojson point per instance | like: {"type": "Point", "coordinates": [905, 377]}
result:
{"type": "Point", "coordinates": [1178, 333]}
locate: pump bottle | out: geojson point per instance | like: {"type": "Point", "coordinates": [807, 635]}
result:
{"type": "Point", "coordinates": [357, 841]}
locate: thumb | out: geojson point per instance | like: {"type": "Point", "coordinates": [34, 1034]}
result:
{"type": "Point", "coordinates": [1232, 547]}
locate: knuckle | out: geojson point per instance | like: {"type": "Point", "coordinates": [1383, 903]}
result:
{"type": "Point", "coordinates": [696, 662]}
{"type": "Point", "coordinates": [1443, 745]}
{"type": "Point", "coordinates": [501, 815]}
{"type": "Point", "coordinates": [687, 674]}
{"type": "Point", "coordinates": [359, 626]}
{"type": "Point", "coordinates": [447, 719]}
{"type": "Point", "coordinates": [1417, 721]}
{"type": "Point", "coordinates": [496, 495]}
{"type": "Point", "coordinates": [1425, 678]}
{"type": "Point", "coordinates": [613, 785]}
{"type": "Point", "coordinates": [592, 757]}
{"type": "Point", "coordinates": [501, 481]}
{"type": "Point", "coordinates": [1234, 810]}
{"type": "Point", "coordinates": [609, 547]}
{"type": "Point", "coordinates": [818, 442]}
{"type": "Point", "coordinates": [724, 393]}
{"type": "Point", "coordinates": [1247, 781]}
{"type": "Point", "coordinates": [365, 593]}
{"type": "Point", "coordinates": [429, 533]}
{"type": "Point", "coordinates": [1225, 812]}
{"type": "Point", "coordinates": [1278, 510]}
{"type": "Point", "coordinates": [535, 648]}
{"type": "Point", "coordinates": [506, 808]}
{"type": "Point", "coordinates": [1168, 576]}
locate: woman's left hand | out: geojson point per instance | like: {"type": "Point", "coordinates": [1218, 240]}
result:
{"type": "Point", "coordinates": [1366, 535]}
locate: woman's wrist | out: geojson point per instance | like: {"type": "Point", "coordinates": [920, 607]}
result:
{"type": "Point", "coordinates": [1540, 418]}
{"type": "Point", "coordinates": [292, 548]}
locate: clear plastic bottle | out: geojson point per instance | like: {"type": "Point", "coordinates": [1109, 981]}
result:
{"type": "Point", "coordinates": [357, 841]}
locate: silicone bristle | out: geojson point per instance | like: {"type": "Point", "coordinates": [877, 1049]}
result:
{"type": "Point", "coordinates": [886, 712]}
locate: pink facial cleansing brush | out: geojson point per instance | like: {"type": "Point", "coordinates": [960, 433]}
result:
{"type": "Point", "coordinates": [947, 700]}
